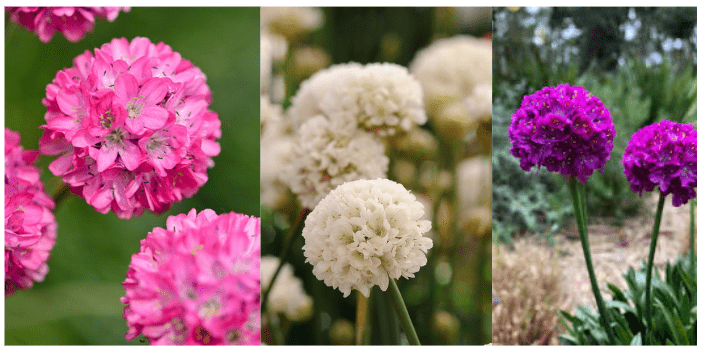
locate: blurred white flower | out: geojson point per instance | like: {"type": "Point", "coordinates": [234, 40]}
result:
{"type": "Point", "coordinates": [275, 153]}
{"type": "Point", "coordinates": [328, 152]}
{"type": "Point", "coordinates": [450, 68]}
{"type": "Point", "coordinates": [474, 194]}
{"type": "Point", "coordinates": [365, 231]}
{"type": "Point", "coordinates": [273, 49]}
{"type": "Point", "coordinates": [306, 61]}
{"type": "Point", "coordinates": [381, 98]}
{"type": "Point", "coordinates": [271, 117]}
{"type": "Point", "coordinates": [479, 104]}
{"type": "Point", "coordinates": [474, 182]}
{"type": "Point", "coordinates": [290, 22]}
{"type": "Point", "coordinates": [265, 63]}
{"type": "Point", "coordinates": [287, 296]}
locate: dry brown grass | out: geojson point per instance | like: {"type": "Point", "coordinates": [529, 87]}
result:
{"type": "Point", "coordinates": [527, 294]}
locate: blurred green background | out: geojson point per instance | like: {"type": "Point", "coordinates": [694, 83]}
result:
{"type": "Point", "coordinates": [79, 301]}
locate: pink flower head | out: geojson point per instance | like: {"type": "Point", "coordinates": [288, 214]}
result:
{"type": "Point", "coordinates": [563, 128]}
{"type": "Point", "coordinates": [73, 22]}
{"type": "Point", "coordinates": [30, 227]}
{"type": "Point", "coordinates": [132, 127]}
{"type": "Point", "coordinates": [663, 155]}
{"type": "Point", "coordinates": [197, 281]}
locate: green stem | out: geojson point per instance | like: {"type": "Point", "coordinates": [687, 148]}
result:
{"type": "Point", "coordinates": [578, 196]}
{"type": "Point", "coordinates": [402, 313]}
{"type": "Point", "coordinates": [650, 262]}
{"type": "Point", "coordinates": [275, 328]}
{"type": "Point", "coordinates": [292, 236]}
{"type": "Point", "coordinates": [366, 333]}
{"type": "Point", "coordinates": [62, 192]}
{"type": "Point", "coordinates": [692, 252]}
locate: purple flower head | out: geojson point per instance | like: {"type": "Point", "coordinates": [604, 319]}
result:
{"type": "Point", "coordinates": [72, 22]}
{"type": "Point", "coordinates": [30, 226]}
{"type": "Point", "coordinates": [132, 127]}
{"type": "Point", "coordinates": [197, 282]}
{"type": "Point", "coordinates": [563, 128]}
{"type": "Point", "coordinates": [663, 154]}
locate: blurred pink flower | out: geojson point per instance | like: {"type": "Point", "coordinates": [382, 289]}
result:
{"type": "Point", "coordinates": [197, 281]}
{"type": "Point", "coordinates": [30, 227]}
{"type": "Point", "coordinates": [132, 127]}
{"type": "Point", "coordinates": [73, 22]}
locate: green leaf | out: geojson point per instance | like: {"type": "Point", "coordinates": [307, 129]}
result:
{"type": "Point", "coordinates": [679, 328]}
{"type": "Point", "coordinates": [617, 293]}
{"type": "Point", "coordinates": [637, 339]}
{"type": "Point", "coordinates": [667, 318]}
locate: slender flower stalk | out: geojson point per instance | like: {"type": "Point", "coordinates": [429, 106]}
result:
{"type": "Point", "coordinates": [402, 313]}
{"type": "Point", "coordinates": [292, 236]}
{"type": "Point", "coordinates": [275, 327]}
{"type": "Point", "coordinates": [578, 196]}
{"type": "Point", "coordinates": [361, 315]}
{"type": "Point", "coordinates": [60, 194]}
{"type": "Point", "coordinates": [650, 262]}
{"type": "Point", "coordinates": [692, 252]}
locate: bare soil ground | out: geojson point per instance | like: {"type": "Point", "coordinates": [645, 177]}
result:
{"type": "Point", "coordinates": [614, 249]}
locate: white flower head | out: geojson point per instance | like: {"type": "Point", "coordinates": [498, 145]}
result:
{"type": "Point", "coordinates": [306, 102]}
{"type": "Point", "coordinates": [365, 231]}
{"type": "Point", "coordinates": [450, 68]}
{"type": "Point", "coordinates": [287, 296]}
{"type": "Point", "coordinates": [328, 152]}
{"type": "Point", "coordinates": [382, 98]}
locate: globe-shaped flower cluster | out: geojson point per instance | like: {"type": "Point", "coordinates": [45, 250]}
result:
{"type": "Point", "coordinates": [132, 126]}
{"type": "Point", "coordinates": [72, 22]}
{"type": "Point", "coordinates": [663, 155]}
{"type": "Point", "coordinates": [197, 281]}
{"type": "Point", "coordinates": [382, 98]}
{"type": "Point", "coordinates": [30, 226]}
{"type": "Point", "coordinates": [563, 128]}
{"type": "Point", "coordinates": [364, 232]}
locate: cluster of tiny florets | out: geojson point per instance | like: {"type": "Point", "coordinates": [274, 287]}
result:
{"type": "Point", "coordinates": [663, 155]}
{"type": "Point", "coordinates": [307, 100]}
{"type": "Point", "coordinates": [382, 98]}
{"type": "Point", "coordinates": [30, 226]}
{"type": "Point", "coordinates": [197, 281]}
{"type": "Point", "coordinates": [132, 126]}
{"type": "Point", "coordinates": [72, 22]}
{"type": "Point", "coordinates": [287, 296]}
{"type": "Point", "coordinates": [326, 153]}
{"type": "Point", "coordinates": [563, 128]}
{"type": "Point", "coordinates": [364, 232]}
